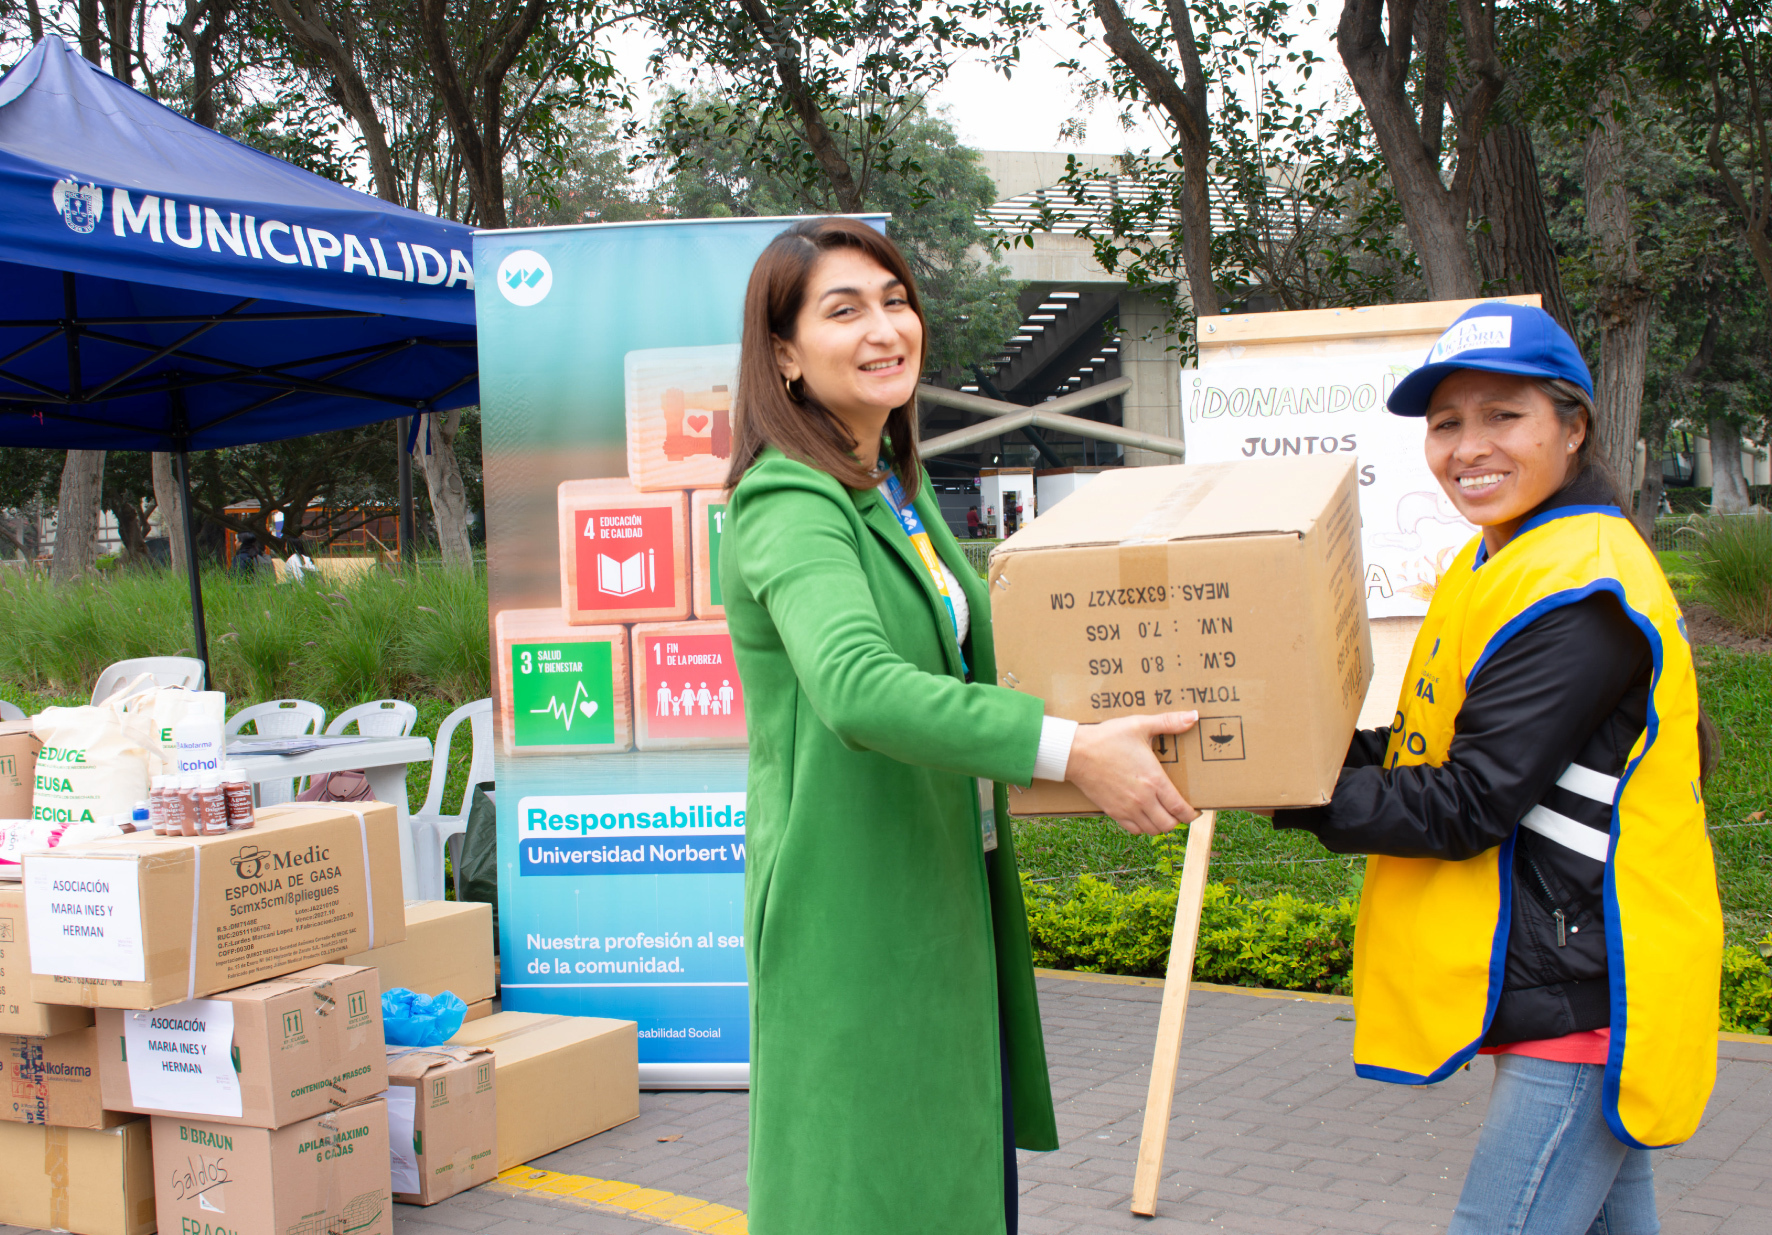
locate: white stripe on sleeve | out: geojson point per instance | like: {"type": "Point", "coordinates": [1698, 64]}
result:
{"type": "Point", "coordinates": [1568, 833]}
{"type": "Point", "coordinates": [1589, 783]}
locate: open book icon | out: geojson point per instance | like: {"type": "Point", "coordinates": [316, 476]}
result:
{"type": "Point", "coordinates": [624, 578]}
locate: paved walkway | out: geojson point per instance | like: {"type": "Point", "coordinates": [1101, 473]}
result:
{"type": "Point", "coordinates": [1272, 1132]}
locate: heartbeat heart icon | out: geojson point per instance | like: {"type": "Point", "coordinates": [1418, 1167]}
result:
{"type": "Point", "coordinates": [698, 423]}
{"type": "Point", "coordinates": [588, 707]}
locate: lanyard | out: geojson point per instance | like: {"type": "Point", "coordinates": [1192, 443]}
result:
{"type": "Point", "coordinates": [912, 523]}
{"type": "Point", "coordinates": [913, 527]}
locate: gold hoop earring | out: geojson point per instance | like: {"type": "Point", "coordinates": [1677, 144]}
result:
{"type": "Point", "coordinates": [788, 385]}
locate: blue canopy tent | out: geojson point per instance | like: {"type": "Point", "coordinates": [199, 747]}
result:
{"type": "Point", "coordinates": [169, 289]}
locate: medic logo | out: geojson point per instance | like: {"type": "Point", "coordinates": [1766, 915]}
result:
{"type": "Point", "coordinates": [80, 205]}
{"type": "Point", "coordinates": [525, 278]}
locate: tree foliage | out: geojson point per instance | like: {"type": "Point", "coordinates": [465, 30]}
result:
{"type": "Point", "coordinates": [933, 188]}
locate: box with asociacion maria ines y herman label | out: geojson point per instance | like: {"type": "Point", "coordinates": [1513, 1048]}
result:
{"type": "Point", "coordinates": [624, 554]}
{"type": "Point", "coordinates": [265, 1055]}
{"type": "Point", "coordinates": [145, 923]}
{"type": "Point", "coordinates": [1235, 590]}
{"type": "Point", "coordinates": [563, 689]}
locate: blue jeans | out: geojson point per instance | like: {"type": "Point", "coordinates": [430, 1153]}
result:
{"type": "Point", "coordinates": [1547, 1164]}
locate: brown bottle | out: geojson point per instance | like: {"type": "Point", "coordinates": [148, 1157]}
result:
{"type": "Point", "coordinates": [213, 803]}
{"type": "Point", "coordinates": [239, 796]}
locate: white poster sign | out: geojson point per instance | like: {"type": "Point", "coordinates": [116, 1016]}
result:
{"type": "Point", "coordinates": [85, 917]}
{"type": "Point", "coordinates": [402, 1151]}
{"type": "Point", "coordinates": [181, 1058]}
{"type": "Point", "coordinates": [1306, 405]}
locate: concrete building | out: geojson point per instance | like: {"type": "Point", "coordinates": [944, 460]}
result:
{"type": "Point", "coordinates": [1080, 327]}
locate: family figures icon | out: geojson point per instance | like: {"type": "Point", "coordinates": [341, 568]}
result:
{"type": "Point", "coordinates": [695, 702]}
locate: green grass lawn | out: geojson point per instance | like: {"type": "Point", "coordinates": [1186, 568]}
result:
{"type": "Point", "coordinates": [1255, 860]}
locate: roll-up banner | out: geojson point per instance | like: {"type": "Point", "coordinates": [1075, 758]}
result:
{"type": "Point", "coordinates": [608, 362]}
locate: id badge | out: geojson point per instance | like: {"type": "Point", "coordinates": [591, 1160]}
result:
{"type": "Point", "coordinates": [987, 814]}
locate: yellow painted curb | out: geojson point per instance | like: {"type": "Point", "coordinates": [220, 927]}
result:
{"type": "Point", "coordinates": [613, 1196]}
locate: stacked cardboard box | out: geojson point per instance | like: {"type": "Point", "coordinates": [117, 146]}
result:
{"type": "Point", "coordinates": [638, 654]}
{"type": "Point", "coordinates": [193, 980]}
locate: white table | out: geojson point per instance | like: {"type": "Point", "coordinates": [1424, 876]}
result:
{"type": "Point", "coordinates": [383, 761]}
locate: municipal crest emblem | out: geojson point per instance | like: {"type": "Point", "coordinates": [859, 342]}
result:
{"type": "Point", "coordinates": [79, 205]}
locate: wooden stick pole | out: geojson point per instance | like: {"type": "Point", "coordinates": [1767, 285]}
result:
{"type": "Point", "coordinates": [1167, 1056]}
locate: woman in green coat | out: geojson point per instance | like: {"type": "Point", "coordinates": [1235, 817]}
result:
{"type": "Point", "coordinates": [896, 1052]}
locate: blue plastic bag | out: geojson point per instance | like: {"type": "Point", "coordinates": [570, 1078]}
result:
{"type": "Point", "coordinates": [411, 1019]}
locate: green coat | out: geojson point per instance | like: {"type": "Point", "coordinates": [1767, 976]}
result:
{"type": "Point", "coordinates": [878, 956]}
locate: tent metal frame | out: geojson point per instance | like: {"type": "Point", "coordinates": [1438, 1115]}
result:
{"type": "Point", "coordinates": [273, 379]}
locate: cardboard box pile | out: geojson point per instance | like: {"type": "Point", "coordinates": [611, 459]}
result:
{"type": "Point", "coordinates": [621, 664]}
{"type": "Point", "coordinates": [191, 1052]}
{"type": "Point", "coordinates": [196, 980]}
{"type": "Point", "coordinates": [1232, 589]}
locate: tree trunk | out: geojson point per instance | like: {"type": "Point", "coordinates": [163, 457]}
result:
{"type": "Point", "coordinates": [118, 15]}
{"type": "Point", "coordinates": [170, 502]}
{"type": "Point", "coordinates": [334, 49]}
{"type": "Point", "coordinates": [449, 497]}
{"type": "Point", "coordinates": [1436, 213]}
{"type": "Point", "coordinates": [1185, 103]}
{"type": "Point", "coordinates": [1728, 486]}
{"type": "Point", "coordinates": [91, 42]}
{"type": "Point", "coordinates": [77, 514]}
{"type": "Point", "coordinates": [1621, 297]}
{"type": "Point", "coordinates": [1653, 486]}
{"type": "Point", "coordinates": [1514, 250]}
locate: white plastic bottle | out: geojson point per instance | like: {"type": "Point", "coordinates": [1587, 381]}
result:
{"type": "Point", "coordinates": [197, 737]}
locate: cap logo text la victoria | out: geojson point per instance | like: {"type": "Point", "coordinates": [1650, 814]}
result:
{"type": "Point", "coordinates": [1471, 334]}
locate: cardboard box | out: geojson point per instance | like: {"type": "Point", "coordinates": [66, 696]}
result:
{"type": "Point", "coordinates": [562, 689]}
{"type": "Point", "coordinates": [442, 1120]}
{"type": "Point", "coordinates": [448, 947]}
{"type": "Point", "coordinates": [323, 1176]}
{"type": "Point", "coordinates": [19, 1013]}
{"type": "Point", "coordinates": [112, 921]}
{"type": "Point", "coordinates": [300, 1046]}
{"type": "Point", "coordinates": [687, 692]}
{"type": "Point", "coordinates": [1231, 589]}
{"type": "Point", "coordinates": [624, 554]}
{"type": "Point", "coordinates": [707, 519]}
{"type": "Point", "coordinates": [18, 762]}
{"type": "Point", "coordinates": [480, 1010]}
{"type": "Point", "coordinates": [559, 1078]}
{"type": "Point", "coordinates": [54, 1080]}
{"type": "Point", "coordinates": [76, 1179]}
{"type": "Point", "coordinates": [679, 406]}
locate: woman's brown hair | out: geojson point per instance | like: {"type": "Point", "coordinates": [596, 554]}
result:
{"type": "Point", "coordinates": [765, 411]}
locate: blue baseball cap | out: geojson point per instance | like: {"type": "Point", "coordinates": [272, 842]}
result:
{"type": "Point", "coordinates": [1498, 337]}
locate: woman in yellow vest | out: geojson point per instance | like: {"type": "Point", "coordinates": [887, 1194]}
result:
{"type": "Point", "coordinates": [1541, 886]}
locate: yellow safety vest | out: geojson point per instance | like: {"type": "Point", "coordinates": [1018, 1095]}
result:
{"type": "Point", "coordinates": [1432, 935]}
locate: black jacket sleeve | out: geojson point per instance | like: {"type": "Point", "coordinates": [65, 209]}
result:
{"type": "Point", "coordinates": [1527, 714]}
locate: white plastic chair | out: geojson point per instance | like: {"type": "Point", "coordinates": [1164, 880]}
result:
{"type": "Point", "coordinates": [280, 718]}
{"type": "Point", "coordinates": [185, 671]}
{"type": "Point", "coordinates": [11, 711]}
{"type": "Point", "coordinates": [432, 830]}
{"type": "Point", "coordinates": [385, 718]}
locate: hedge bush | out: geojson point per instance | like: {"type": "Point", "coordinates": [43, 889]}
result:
{"type": "Point", "coordinates": [1282, 942]}
{"type": "Point", "coordinates": [1747, 991]}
